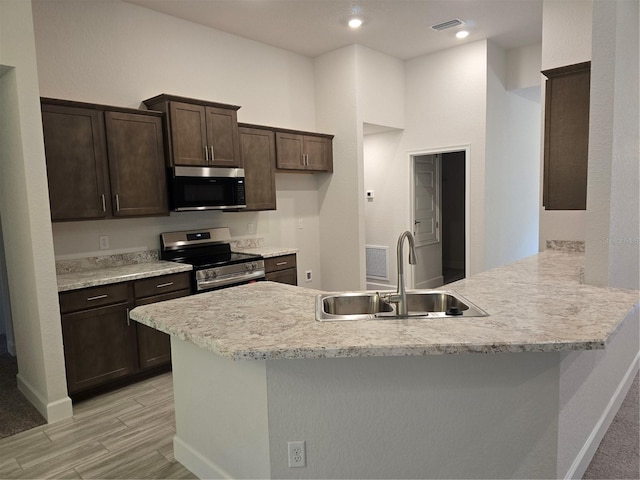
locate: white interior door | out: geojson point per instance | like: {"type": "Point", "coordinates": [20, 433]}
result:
{"type": "Point", "coordinates": [426, 197]}
{"type": "Point", "coordinates": [426, 221]}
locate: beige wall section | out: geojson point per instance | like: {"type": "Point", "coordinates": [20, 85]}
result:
{"type": "Point", "coordinates": [446, 110]}
{"type": "Point", "coordinates": [566, 39]}
{"type": "Point", "coordinates": [613, 237]}
{"type": "Point", "coordinates": [24, 209]}
{"type": "Point", "coordinates": [341, 212]}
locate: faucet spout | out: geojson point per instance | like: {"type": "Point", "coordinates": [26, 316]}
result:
{"type": "Point", "coordinates": [401, 295]}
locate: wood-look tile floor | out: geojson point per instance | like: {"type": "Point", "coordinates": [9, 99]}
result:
{"type": "Point", "coordinates": [127, 433]}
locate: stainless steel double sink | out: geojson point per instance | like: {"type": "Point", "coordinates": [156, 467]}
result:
{"type": "Point", "coordinates": [421, 304]}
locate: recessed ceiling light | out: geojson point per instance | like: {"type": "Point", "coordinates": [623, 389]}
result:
{"type": "Point", "coordinates": [462, 34]}
{"type": "Point", "coordinates": [355, 22]}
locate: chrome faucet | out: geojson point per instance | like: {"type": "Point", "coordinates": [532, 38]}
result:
{"type": "Point", "coordinates": [400, 298]}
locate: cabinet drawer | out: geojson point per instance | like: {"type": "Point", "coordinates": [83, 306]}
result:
{"type": "Point", "coordinates": [283, 262]}
{"type": "Point", "coordinates": [160, 285]}
{"type": "Point", "coordinates": [289, 276]}
{"type": "Point", "coordinates": [93, 297]}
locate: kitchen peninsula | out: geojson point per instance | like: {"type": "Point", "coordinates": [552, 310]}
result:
{"type": "Point", "coordinates": [402, 398]}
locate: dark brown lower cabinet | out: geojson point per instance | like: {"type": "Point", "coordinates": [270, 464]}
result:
{"type": "Point", "coordinates": [99, 346]}
{"type": "Point", "coordinates": [154, 347]}
{"type": "Point", "coordinates": [282, 269]}
{"type": "Point", "coordinates": [103, 348]}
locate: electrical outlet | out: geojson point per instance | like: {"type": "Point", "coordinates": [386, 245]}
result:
{"type": "Point", "coordinates": [308, 275]}
{"type": "Point", "coordinates": [297, 454]}
{"type": "Point", "coordinates": [104, 242]}
{"type": "Point", "coordinates": [300, 224]}
{"type": "Point", "coordinates": [251, 228]}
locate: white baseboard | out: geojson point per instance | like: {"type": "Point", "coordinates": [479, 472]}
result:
{"type": "Point", "coordinates": [379, 287]}
{"type": "Point", "coordinates": [434, 282]}
{"type": "Point", "coordinates": [51, 411]}
{"type": "Point", "coordinates": [195, 462]}
{"type": "Point", "coordinates": [588, 450]}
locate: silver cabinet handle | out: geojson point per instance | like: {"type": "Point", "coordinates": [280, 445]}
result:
{"type": "Point", "coordinates": [212, 156]}
{"type": "Point", "coordinates": [128, 319]}
{"type": "Point", "coordinates": [162, 285]}
{"type": "Point", "coordinates": [104, 204]}
{"type": "Point", "coordinates": [117, 203]}
{"type": "Point", "coordinates": [279, 264]}
{"type": "Point", "coordinates": [97, 297]}
{"type": "Point", "coordinates": [206, 154]}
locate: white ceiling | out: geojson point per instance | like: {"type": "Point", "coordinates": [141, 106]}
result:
{"type": "Point", "coordinates": [400, 28]}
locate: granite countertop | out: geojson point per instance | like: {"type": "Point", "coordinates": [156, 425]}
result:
{"type": "Point", "coordinates": [123, 273]}
{"type": "Point", "coordinates": [266, 252]}
{"type": "Point", "coordinates": [536, 304]}
{"type": "Point", "coordinates": [95, 271]}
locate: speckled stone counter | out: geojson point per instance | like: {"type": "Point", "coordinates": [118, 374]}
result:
{"type": "Point", "coordinates": [266, 252]}
{"type": "Point", "coordinates": [536, 304]}
{"type": "Point", "coordinates": [122, 273]}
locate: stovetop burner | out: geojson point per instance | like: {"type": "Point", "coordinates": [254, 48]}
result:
{"type": "Point", "coordinates": [216, 260]}
{"type": "Point", "coordinates": [214, 264]}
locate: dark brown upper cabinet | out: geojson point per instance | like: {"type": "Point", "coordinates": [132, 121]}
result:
{"type": "Point", "coordinates": [566, 137]}
{"type": "Point", "coordinates": [303, 151]}
{"type": "Point", "coordinates": [258, 148]}
{"type": "Point", "coordinates": [136, 164]}
{"type": "Point", "coordinates": [77, 169]}
{"type": "Point", "coordinates": [103, 162]}
{"type": "Point", "coordinates": [199, 133]}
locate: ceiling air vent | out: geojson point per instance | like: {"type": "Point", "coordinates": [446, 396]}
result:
{"type": "Point", "coordinates": [448, 24]}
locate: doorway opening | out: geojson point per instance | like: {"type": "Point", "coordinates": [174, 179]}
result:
{"type": "Point", "coordinates": [453, 216]}
{"type": "Point", "coordinates": [439, 202]}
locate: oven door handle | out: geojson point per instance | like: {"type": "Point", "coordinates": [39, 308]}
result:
{"type": "Point", "coordinates": [230, 279]}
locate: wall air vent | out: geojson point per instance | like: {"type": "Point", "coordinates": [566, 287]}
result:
{"type": "Point", "coordinates": [448, 24]}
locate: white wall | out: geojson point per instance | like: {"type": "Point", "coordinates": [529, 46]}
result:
{"type": "Point", "coordinates": [116, 53]}
{"type": "Point", "coordinates": [24, 209]}
{"type": "Point", "coordinates": [512, 163]}
{"type": "Point", "coordinates": [382, 168]}
{"type": "Point", "coordinates": [341, 211]}
{"type": "Point", "coordinates": [566, 39]}
{"type": "Point", "coordinates": [593, 385]}
{"type": "Point", "coordinates": [445, 110]}
{"type": "Point", "coordinates": [613, 237]}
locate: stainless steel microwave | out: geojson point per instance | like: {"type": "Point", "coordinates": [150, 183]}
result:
{"type": "Point", "coordinates": [206, 188]}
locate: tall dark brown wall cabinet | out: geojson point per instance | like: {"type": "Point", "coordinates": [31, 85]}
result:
{"type": "Point", "coordinates": [103, 162]}
{"type": "Point", "coordinates": [566, 137]}
{"type": "Point", "coordinates": [258, 148]}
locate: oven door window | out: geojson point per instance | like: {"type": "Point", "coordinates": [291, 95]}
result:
{"type": "Point", "coordinates": [200, 193]}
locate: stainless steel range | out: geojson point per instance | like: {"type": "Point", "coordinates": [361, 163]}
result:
{"type": "Point", "coordinates": [214, 264]}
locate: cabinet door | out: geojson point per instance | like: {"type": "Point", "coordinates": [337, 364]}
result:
{"type": "Point", "coordinates": [188, 134]}
{"type": "Point", "coordinates": [76, 162]}
{"type": "Point", "coordinates": [258, 149]}
{"type": "Point", "coordinates": [289, 150]}
{"type": "Point", "coordinates": [136, 164]}
{"type": "Point", "coordinates": [566, 137]}
{"type": "Point", "coordinates": [222, 137]}
{"type": "Point", "coordinates": [154, 347]}
{"type": "Point", "coordinates": [99, 346]}
{"type": "Point", "coordinates": [319, 153]}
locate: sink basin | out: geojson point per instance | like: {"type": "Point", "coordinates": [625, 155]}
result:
{"type": "Point", "coordinates": [354, 304]}
{"type": "Point", "coordinates": [421, 304]}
